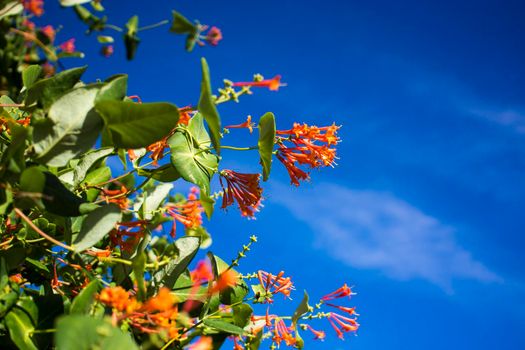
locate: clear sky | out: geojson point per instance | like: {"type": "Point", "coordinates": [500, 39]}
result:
{"type": "Point", "coordinates": [424, 213]}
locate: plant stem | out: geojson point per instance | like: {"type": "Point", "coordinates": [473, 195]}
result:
{"type": "Point", "coordinates": [29, 36]}
{"type": "Point", "coordinates": [40, 232]}
{"type": "Point", "coordinates": [12, 105]}
{"type": "Point", "coordinates": [240, 148]}
{"type": "Point", "coordinates": [151, 26]}
{"type": "Point", "coordinates": [111, 26]}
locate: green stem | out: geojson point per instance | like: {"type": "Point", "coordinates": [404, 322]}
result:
{"type": "Point", "coordinates": [151, 26]}
{"type": "Point", "coordinates": [240, 148]}
{"type": "Point", "coordinates": [37, 331]}
{"type": "Point", "coordinates": [111, 26]}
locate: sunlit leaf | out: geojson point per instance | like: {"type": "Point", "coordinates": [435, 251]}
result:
{"type": "Point", "coordinates": [208, 109]}
{"type": "Point", "coordinates": [97, 224]}
{"type": "Point", "coordinates": [266, 142]}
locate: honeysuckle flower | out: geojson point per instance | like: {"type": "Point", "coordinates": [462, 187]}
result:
{"type": "Point", "coordinates": [188, 212]}
{"type": "Point", "coordinates": [68, 46]}
{"type": "Point", "coordinates": [49, 31]}
{"type": "Point", "coordinates": [163, 301]}
{"type": "Point", "coordinates": [326, 134]}
{"type": "Point", "coordinates": [127, 234]}
{"type": "Point", "coordinates": [247, 124]}
{"type": "Point", "coordinates": [117, 196]}
{"type": "Point", "coordinates": [48, 69]}
{"type": "Point", "coordinates": [214, 36]}
{"type": "Point", "coordinates": [243, 189]}
{"type": "Point", "coordinates": [185, 114]}
{"type": "Point", "coordinates": [35, 7]}
{"type": "Point", "coordinates": [157, 149]}
{"type": "Point", "coordinates": [283, 333]}
{"type": "Point", "coordinates": [349, 310]}
{"type": "Point", "coordinates": [341, 292]}
{"type": "Point", "coordinates": [202, 272]}
{"type": "Point", "coordinates": [28, 24]}
{"type": "Point", "coordinates": [204, 343]}
{"type": "Point", "coordinates": [296, 174]}
{"type": "Point", "coordinates": [272, 84]}
{"type": "Point", "coordinates": [320, 335]}
{"type": "Point", "coordinates": [275, 284]}
{"type": "Point", "coordinates": [107, 50]}
{"type": "Point", "coordinates": [226, 279]}
{"type": "Point", "coordinates": [236, 344]}
{"type": "Point", "coordinates": [118, 298]}
{"type": "Point", "coordinates": [342, 324]}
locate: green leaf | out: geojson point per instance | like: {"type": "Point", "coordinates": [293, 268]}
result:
{"type": "Point", "coordinates": [164, 173]}
{"type": "Point", "coordinates": [58, 199]}
{"type": "Point", "coordinates": [115, 88]}
{"type": "Point", "coordinates": [208, 109]}
{"type": "Point", "coordinates": [224, 326]}
{"type": "Point", "coordinates": [97, 224]}
{"type": "Point", "coordinates": [153, 198]}
{"type": "Point", "coordinates": [20, 329]}
{"type": "Point", "coordinates": [187, 248]}
{"type": "Point", "coordinates": [49, 90]}
{"type": "Point", "coordinates": [255, 342]}
{"type": "Point", "coordinates": [32, 183]}
{"type": "Point", "coordinates": [135, 125]}
{"type": "Point", "coordinates": [13, 157]}
{"type": "Point", "coordinates": [95, 177]}
{"type": "Point", "coordinates": [132, 25]}
{"type": "Point", "coordinates": [207, 203]}
{"type": "Point", "coordinates": [87, 161]}
{"type": "Point", "coordinates": [67, 3]}
{"type": "Point", "coordinates": [81, 332]}
{"type": "Point", "coordinates": [266, 142]}
{"type": "Point", "coordinates": [184, 289]}
{"type": "Point", "coordinates": [72, 128]}
{"type": "Point", "coordinates": [30, 75]}
{"type": "Point", "coordinates": [105, 39]}
{"type": "Point", "coordinates": [190, 154]}
{"type": "Point", "coordinates": [131, 41]}
{"type": "Point", "coordinates": [139, 266]}
{"type": "Point", "coordinates": [9, 291]}
{"type": "Point", "coordinates": [242, 314]}
{"type": "Point", "coordinates": [11, 8]}
{"type": "Point", "coordinates": [302, 309]}
{"type": "Point", "coordinates": [230, 295]}
{"type": "Point", "coordinates": [181, 25]}
{"type": "Point", "coordinates": [83, 301]}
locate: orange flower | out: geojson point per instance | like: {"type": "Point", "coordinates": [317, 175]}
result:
{"type": "Point", "coordinates": [157, 149]}
{"type": "Point", "coordinates": [118, 298]}
{"type": "Point", "coordinates": [185, 115]}
{"type": "Point", "coordinates": [227, 279]}
{"type": "Point", "coordinates": [272, 84]}
{"type": "Point", "coordinates": [49, 31]}
{"type": "Point", "coordinates": [294, 172]}
{"type": "Point", "coordinates": [214, 36]}
{"type": "Point", "coordinates": [189, 212]}
{"type": "Point", "coordinates": [318, 334]}
{"type": "Point", "coordinates": [342, 324]}
{"type": "Point", "coordinates": [341, 292]}
{"type": "Point", "coordinates": [107, 50]}
{"type": "Point", "coordinates": [202, 272]}
{"type": "Point", "coordinates": [161, 302]}
{"type": "Point", "coordinates": [282, 333]}
{"type": "Point", "coordinates": [349, 310]}
{"type": "Point", "coordinates": [68, 46]}
{"type": "Point", "coordinates": [133, 231]}
{"type": "Point", "coordinates": [36, 7]}
{"type": "Point", "coordinates": [117, 196]}
{"type": "Point", "coordinates": [275, 284]}
{"type": "Point", "coordinates": [236, 344]}
{"type": "Point", "coordinates": [247, 124]}
{"type": "Point", "coordinates": [242, 188]}
{"type": "Point", "coordinates": [204, 343]}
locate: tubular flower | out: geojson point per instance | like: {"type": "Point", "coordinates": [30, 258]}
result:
{"type": "Point", "coordinates": [107, 50]}
{"type": "Point", "coordinates": [214, 36]}
{"type": "Point", "coordinates": [342, 324]}
{"type": "Point", "coordinates": [157, 149]}
{"type": "Point", "coordinates": [272, 84]}
{"type": "Point", "coordinates": [185, 115]}
{"type": "Point", "coordinates": [341, 292]}
{"type": "Point", "coordinates": [36, 7]}
{"type": "Point", "coordinates": [282, 333]}
{"type": "Point", "coordinates": [349, 310]}
{"type": "Point", "coordinates": [242, 188]}
{"type": "Point", "coordinates": [118, 298]}
{"type": "Point", "coordinates": [127, 234]}
{"type": "Point", "coordinates": [247, 124]}
{"type": "Point", "coordinates": [188, 212]}
{"type": "Point", "coordinates": [202, 272]}
{"type": "Point", "coordinates": [312, 146]}
{"type": "Point", "coordinates": [117, 196]}
{"type": "Point", "coordinates": [275, 284]}
{"type": "Point", "coordinates": [236, 344]}
{"type": "Point", "coordinates": [318, 334]}
{"type": "Point", "coordinates": [226, 279]}
{"type": "Point", "coordinates": [204, 343]}
{"type": "Point", "coordinates": [161, 302]}
{"type": "Point", "coordinates": [68, 46]}
{"type": "Point", "coordinates": [49, 31]}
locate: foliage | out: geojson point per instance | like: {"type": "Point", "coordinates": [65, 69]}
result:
{"type": "Point", "coordinates": [96, 257]}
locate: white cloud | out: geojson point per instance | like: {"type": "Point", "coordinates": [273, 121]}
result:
{"type": "Point", "coordinates": [375, 230]}
{"type": "Point", "coordinates": [506, 117]}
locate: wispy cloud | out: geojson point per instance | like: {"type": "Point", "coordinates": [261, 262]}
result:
{"type": "Point", "coordinates": [506, 117]}
{"type": "Point", "coordinates": [375, 230]}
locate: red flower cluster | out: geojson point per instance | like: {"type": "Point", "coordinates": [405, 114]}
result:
{"type": "Point", "coordinates": [117, 196]}
{"type": "Point", "coordinates": [275, 284]}
{"type": "Point", "coordinates": [36, 7]}
{"type": "Point", "coordinates": [188, 212]}
{"type": "Point", "coordinates": [127, 234]}
{"type": "Point", "coordinates": [311, 146]}
{"type": "Point", "coordinates": [242, 188]}
{"type": "Point", "coordinates": [342, 324]}
{"type": "Point", "coordinates": [272, 84]}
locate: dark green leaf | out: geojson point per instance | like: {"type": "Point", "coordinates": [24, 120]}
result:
{"type": "Point", "coordinates": [94, 177]}
{"type": "Point", "coordinates": [20, 329]}
{"type": "Point", "coordinates": [30, 75]}
{"type": "Point", "coordinates": [181, 25]}
{"type": "Point", "coordinates": [242, 314]}
{"type": "Point", "coordinates": [81, 332]}
{"type": "Point", "coordinates": [58, 199]}
{"type": "Point", "coordinates": [97, 224]}
{"type": "Point", "coordinates": [49, 90]}
{"type": "Point", "coordinates": [208, 109]}
{"type": "Point", "coordinates": [164, 173]}
{"type": "Point", "coordinates": [135, 125]}
{"type": "Point", "coordinates": [87, 161]}
{"type": "Point", "coordinates": [187, 248]}
{"type": "Point", "coordinates": [302, 309]}
{"type": "Point", "coordinates": [83, 301]}
{"type": "Point", "coordinates": [115, 88]}
{"type": "Point", "coordinates": [223, 326]}
{"type": "Point", "coordinates": [72, 128]}
{"type": "Point", "coordinates": [190, 154]}
{"type": "Point", "coordinates": [266, 142]}
{"type": "Point", "coordinates": [139, 266]}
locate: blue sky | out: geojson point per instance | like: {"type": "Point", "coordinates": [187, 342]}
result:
{"type": "Point", "coordinates": [423, 214]}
